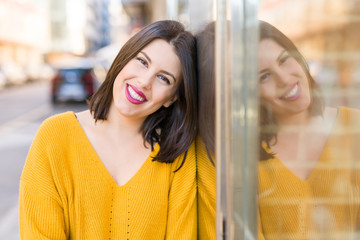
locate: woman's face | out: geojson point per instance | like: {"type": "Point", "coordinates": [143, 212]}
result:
{"type": "Point", "coordinates": [283, 85]}
{"type": "Point", "coordinates": [148, 82]}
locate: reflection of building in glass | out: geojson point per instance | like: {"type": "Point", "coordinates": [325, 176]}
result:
{"type": "Point", "coordinates": [142, 12]}
{"type": "Point", "coordinates": [326, 31]}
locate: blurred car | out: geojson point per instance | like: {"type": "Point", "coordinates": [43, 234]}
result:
{"type": "Point", "coordinates": [73, 84]}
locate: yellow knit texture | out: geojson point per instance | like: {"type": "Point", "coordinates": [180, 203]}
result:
{"type": "Point", "coordinates": [324, 206]}
{"type": "Point", "coordinates": [67, 193]}
{"type": "Point", "coordinates": [206, 176]}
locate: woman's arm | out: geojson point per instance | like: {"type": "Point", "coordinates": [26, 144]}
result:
{"type": "Point", "coordinates": [41, 214]}
{"type": "Point", "coordinates": [206, 185]}
{"type": "Point", "coordinates": [182, 209]}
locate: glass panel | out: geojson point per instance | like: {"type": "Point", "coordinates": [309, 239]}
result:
{"type": "Point", "coordinates": [243, 59]}
{"type": "Point", "coordinates": [309, 176]}
{"type": "Point", "coordinates": [236, 119]}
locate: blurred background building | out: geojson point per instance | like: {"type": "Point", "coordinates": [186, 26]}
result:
{"type": "Point", "coordinates": [24, 36]}
{"type": "Point", "coordinates": [37, 32]}
{"type": "Point", "coordinates": [34, 33]}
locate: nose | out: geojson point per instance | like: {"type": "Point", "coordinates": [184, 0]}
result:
{"type": "Point", "coordinates": [145, 80]}
{"type": "Point", "coordinates": [281, 77]}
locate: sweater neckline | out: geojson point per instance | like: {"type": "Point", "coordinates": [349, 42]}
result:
{"type": "Point", "coordinates": [104, 171]}
{"type": "Point", "coordinates": [323, 159]}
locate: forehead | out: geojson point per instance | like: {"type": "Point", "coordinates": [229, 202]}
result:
{"type": "Point", "coordinates": [269, 49]}
{"type": "Point", "coordinates": [163, 55]}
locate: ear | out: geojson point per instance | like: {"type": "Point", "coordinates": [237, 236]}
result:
{"type": "Point", "coordinates": [170, 101]}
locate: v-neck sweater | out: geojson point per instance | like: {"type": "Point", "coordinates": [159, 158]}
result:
{"type": "Point", "coordinates": [66, 192]}
{"type": "Point", "coordinates": [325, 205]}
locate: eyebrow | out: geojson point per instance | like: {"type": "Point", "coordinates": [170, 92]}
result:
{"type": "Point", "coordinates": [277, 59]}
{"type": "Point", "coordinates": [281, 54]}
{"type": "Point", "coordinates": [163, 71]}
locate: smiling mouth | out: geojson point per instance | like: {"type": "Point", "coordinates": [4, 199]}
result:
{"type": "Point", "coordinates": [134, 95]}
{"type": "Point", "coordinates": [293, 94]}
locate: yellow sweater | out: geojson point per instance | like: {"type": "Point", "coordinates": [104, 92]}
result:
{"type": "Point", "coordinates": [67, 193]}
{"type": "Point", "coordinates": [206, 193]}
{"type": "Point", "coordinates": [324, 206]}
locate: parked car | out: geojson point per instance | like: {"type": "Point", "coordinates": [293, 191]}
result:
{"type": "Point", "coordinates": [73, 84]}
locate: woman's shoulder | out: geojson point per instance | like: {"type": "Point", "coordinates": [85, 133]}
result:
{"type": "Point", "coordinates": [187, 160]}
{"type": "Point", "coordinates": [350, 116]}
{"type": "Point", "coordinates": [347, 121]}
{"type": "Point", "coordinates": [60, 118]}
{"type": "Point", "coordinates": [204, 157]}
{"type": "Point", "coordinates": [58, 123]}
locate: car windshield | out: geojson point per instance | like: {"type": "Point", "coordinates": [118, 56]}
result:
{"type": "Point", "coordinates": [72, 75]}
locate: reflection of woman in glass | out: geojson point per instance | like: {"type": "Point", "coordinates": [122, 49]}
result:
{"type": "Point", "coordinates": [205, 142]}
{"type": "Point", "coordinates": [309, 174]}
{"type": "Point", "coordinates": [125, 169]}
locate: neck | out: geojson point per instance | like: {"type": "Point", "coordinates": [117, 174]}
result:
{"type": "Point", "coordinates": [300, 119]}
{"type": "Point", "coordinates": [308, 125]}
{"type": "Point", "coordinates": [120, 126]}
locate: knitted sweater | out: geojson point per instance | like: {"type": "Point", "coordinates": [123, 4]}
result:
{"type": "Point", "coordinates": [206, 193]}
{"type": "Point", "coordinates": [324, 206]}
{"type": "Point", "coordinates": [67, 193]}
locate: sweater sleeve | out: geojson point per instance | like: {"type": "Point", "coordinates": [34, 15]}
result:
{"type": "Point", "coordinates": [182, 209]}
{"type": "Point", "coordinates": [206, 184]}
{"type": "Point", "coordinates": [41, 214]}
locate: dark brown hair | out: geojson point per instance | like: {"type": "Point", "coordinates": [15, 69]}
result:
{"type": "Point", "coordinates": [175, 127]}
{"type": "Point", "coordinates": [205, 42]}
{"type": "Point", "coordinates": [268, 125]}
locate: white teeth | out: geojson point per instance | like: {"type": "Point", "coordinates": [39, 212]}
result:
{"type": "Point", "coordinates": [134, 95]}
{"type": "Point", "coordinates": [292, 92]}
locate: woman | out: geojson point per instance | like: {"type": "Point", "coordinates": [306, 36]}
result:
{"type": "Point", "coordinates": [205, 143]}
{"type": "Point", "coordinates": [125, 168]}
{"type": "Point", "coordinates": [308, 174]}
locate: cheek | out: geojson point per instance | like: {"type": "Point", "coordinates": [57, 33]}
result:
{"type": "Point", "coordinates": [264, 92]}
{"type": "Point", "coordinates": [168, 90]}
{"type": "Point", "coordinates": [117, 85]}
{"type": "Point", "coordinates": [167, 95]}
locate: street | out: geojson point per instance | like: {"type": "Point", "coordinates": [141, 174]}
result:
{"type": "Point", "coordinates": [23, 108]}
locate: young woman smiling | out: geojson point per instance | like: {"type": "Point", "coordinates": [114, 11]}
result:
{"type": "Point", "coordinates": [125, 168]}
{"type": "Point", "coordinates": [309, 179]}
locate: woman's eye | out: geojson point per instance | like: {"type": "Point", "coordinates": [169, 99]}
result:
{"type": "Point", "coordinates": [263, 77]}
{"type": "Point", "coordinates": [284, 58]}
{"type": "Point", "coordinates": [165, 79]}
{"type": "Point", "coordinates": [142, 61]}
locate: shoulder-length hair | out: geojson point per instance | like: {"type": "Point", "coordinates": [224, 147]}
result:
{"type": "Point", "coordinates": [175, 127]}
{"type": "Point", "coordinates": [268, 125]}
